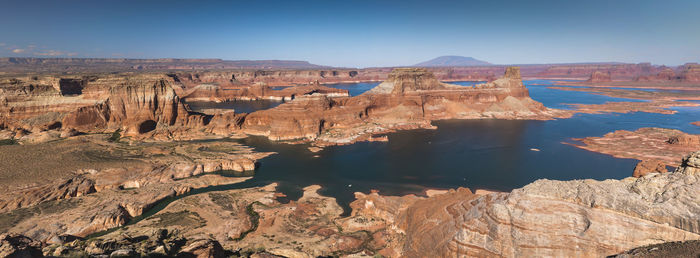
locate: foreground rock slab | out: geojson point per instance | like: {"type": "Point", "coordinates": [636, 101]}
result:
{"type": "Point", "coordinates": [547, 218]}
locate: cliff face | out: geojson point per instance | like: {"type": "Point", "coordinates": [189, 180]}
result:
{"type": "Point", "coordinates": [135, 105]}
{"type": "Point", "coordinates": [600, 76]}
{"type": "Point", "coordinates": [690, 73]}
{"type": "Point", "coordinates": [667, 74]}
{"type": "Point", "coordinates": [402, 80]}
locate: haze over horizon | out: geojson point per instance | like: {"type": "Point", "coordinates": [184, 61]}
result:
{"type": "Point", "coordinates": [357, 33]}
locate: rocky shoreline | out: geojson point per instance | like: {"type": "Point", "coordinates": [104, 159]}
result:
{"type": "Point", "coordinates": [545, 218]}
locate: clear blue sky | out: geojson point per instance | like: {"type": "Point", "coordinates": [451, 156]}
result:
{"type": "Point", "coordinates": [357, 33]}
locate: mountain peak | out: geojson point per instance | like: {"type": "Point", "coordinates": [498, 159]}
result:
{"type": "Point", "coordinates": [452, 61]}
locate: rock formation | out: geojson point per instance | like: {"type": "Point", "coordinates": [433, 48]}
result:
{"type": "Point", "coordinates": [136, 106]}
{"type": "Point", "coordinates": [102, 194]}
{"type": "Point", "coordinates": [15, 245]}
{"type": "Point", "coordinates": [648, 166]}
{"type": "Point", "coordinates": [410, 98]}
{"type": "Point", "coordinates": [690, 248]}
{"type": "Point", "coordinates": [690, 73]}
{"type": "Point", "coordinates": [662, 144]}
{"type": "Point", "coordinates": [581, 218]}
{"type": "Point", "coordinates": [582, 71]}
{"type": "Point", "coordinates": [584, 218]}
{"type": "Point", "coordinates": [600, 76]}
{"type": "Point", "coordinates": [207, 92]}
{"type": "Point", "coordinates": [667, 74]}
{"type": "Point", "coordinates": [690, 164]}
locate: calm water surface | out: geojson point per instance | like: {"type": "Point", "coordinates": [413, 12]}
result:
{"type": "Point", "coordinates": [354, 89]}
{"type": "Point", "coordinates": [239, 106]}
{"type": "Point", "coordinates": [487, 154]}
{"type": "Point", "coordinates": [490, 154]}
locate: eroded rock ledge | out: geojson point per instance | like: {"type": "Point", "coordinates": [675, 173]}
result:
{"type": "Point", "coordinates": [581, 218]}
{"type": "Point", "coordinates": [666, 145]}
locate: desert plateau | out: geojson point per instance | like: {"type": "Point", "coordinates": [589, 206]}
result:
{"type": "Point", "coordinates": [349, 129]}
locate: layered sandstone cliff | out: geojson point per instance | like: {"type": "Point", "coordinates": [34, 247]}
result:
{"type": "Point", "coordinates": [600, 76]}
{"type": "Point", "coordinates": [136, 106]}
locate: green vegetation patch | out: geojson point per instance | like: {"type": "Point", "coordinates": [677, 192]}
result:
{"type": "Point", "coordinates": [116, 135]}
{"type": "Point", "coordinates": [225, 200]}
{"type": "Point", "coordinates": [180, 218]}
{"type": "Point", "coordinates": [254, 219]}
{"type": "Point", "coordinates": [8, 142]}
{"type": "Point", "coordinates": [12, 218]}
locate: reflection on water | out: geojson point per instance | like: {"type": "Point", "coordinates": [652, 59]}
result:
{"type": "Point", "coordinates": [239, 106]}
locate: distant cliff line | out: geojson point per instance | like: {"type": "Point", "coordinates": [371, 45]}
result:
{"type": "Point", "coordinates": [580, 71]}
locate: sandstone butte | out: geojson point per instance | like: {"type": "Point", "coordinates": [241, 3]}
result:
{"type": "Point", "coordinates": [409, 98]}
{"type": "Point", "coordinates": [578, 218]}
{"type": "Point", "coordinates": [148, 106]}
{"type": "Point", "coordinates": [599, 76]}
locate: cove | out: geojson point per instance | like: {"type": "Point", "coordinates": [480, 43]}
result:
{"type": "Point", "coordinates": [478, 154]}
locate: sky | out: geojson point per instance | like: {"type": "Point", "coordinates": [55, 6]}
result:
{"type": "Point", "coordinates": [362, 33]}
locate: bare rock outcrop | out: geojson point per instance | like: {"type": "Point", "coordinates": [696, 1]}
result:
{"type": "Point", "coordinates": [410, 98]}
{"type": "Point", "coordinates": [600, 76]}
{"type": "Point", "coordinates": [661, 144]}
{"type": "Point", "coordinates": [667, 74]}
{"type": "Point", "coordinates": [582, 218]}
{"type": "Point", "coordinates": [137, 106]}
{"type": "Point", "coordinates": [578, 218]}
{"type": "Point", "coordinates": [690, 164]}
{"type": "Point", "coordinates": [16, 245]}
{"type": "Point", "coordinates": [646, 167]}
{"type": "Point", "coordinates": [690, 73]}
{"type": "Point", "coordinates": [402, 80]}
{"type": "Point", "coordinates": [685, 140]}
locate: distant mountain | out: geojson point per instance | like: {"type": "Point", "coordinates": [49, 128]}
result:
{"type": "Point", "coordinates": [453, 61]}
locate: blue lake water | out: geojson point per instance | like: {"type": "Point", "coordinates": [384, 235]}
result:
{"type": "Point", "coordinates": [239, 106]}
{"type": "Point", "coordinates": [486, 154]}
{"type": "Point", "coordinates": [354, 89]}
